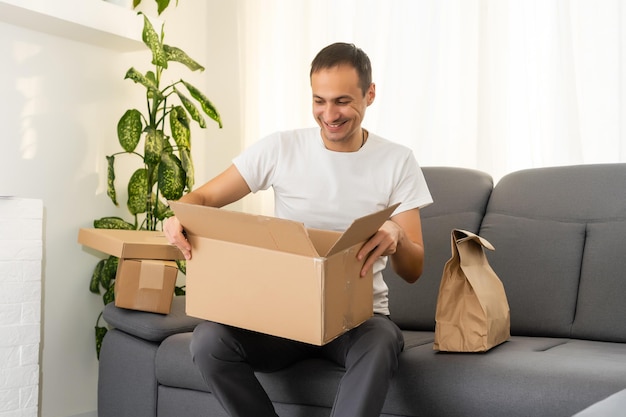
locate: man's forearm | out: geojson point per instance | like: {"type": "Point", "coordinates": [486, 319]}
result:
{"type": "Point", "coordinates": [408, 261]}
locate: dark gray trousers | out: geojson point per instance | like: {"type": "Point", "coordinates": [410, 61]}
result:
{"type": "Point", "coordinates": [228, 357]}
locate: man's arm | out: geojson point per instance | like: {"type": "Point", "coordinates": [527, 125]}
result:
{"type": "Point", "coordinates": [226, 188]}
{"type": "Point", "coordinates": [401, 239]}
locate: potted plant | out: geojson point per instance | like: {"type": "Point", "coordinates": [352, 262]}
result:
{"type": "Point", "coordinates": [165, 167]}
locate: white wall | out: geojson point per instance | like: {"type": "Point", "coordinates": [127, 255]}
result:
{"type": "Point", "coordinates": [60, 100]}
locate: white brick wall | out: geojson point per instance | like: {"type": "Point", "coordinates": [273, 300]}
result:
{"type": "Point", "coordinates": [21, 233]}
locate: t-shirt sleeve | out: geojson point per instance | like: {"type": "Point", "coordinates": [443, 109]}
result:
{"type": "Point", "coordinates": [411, 190]}
{"type": "Point", "coordinates": [257, 164]}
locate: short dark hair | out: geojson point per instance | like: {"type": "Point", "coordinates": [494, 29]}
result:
{"type": "Point", "coordinates": [345, 53]}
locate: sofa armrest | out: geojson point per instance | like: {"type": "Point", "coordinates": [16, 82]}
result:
{"type": "Point", "coordinates": [151, 326]}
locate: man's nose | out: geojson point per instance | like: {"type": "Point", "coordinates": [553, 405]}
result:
{"type": "Point", "coordinates": [331, 112]}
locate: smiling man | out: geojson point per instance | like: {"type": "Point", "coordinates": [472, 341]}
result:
{"type": "Point", "coordinates": [323, 177]}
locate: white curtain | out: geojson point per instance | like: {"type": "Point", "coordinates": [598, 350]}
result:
{"type": "Point", "coordinates": [496, 85]}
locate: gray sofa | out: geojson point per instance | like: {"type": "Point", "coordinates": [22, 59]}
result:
{"type": "Point", "coordinates": [559, 235]}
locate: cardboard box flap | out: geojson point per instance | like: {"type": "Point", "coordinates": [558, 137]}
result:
{"type": "Point", "coordinates": [361, 229]}
{"type": "Point", "coordinates": [138, 244]}
{"type": "Point", "coordinates": [242, 228]}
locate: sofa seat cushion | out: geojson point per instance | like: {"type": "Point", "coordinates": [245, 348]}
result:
{"type": "Point", "coordinates": [550, 376]}
{"type": "Point", "coordinates": [522, 377]}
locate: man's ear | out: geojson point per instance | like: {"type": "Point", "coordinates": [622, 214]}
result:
{"type": "Point", "coordinates": [371, 94]}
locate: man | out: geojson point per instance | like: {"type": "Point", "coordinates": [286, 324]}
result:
{"type": "Point", "coordinates": [323, 177]}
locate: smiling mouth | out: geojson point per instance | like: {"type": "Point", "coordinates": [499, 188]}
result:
{"type": "Point", "coordinates": [334, 125]}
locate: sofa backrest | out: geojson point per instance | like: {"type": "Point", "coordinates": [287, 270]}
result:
{"type": "Point", "coordinates": [559, 239]}
{"type": "Point", "coordinates": [460, 198]}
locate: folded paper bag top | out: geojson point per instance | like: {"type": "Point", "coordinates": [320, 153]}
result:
{"type": "Point", "coordinates": [472, 312]}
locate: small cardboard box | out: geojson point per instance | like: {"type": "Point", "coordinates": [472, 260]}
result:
{"type": "Point", "coordinates": [275, 276]}
{"type": "Point", "coordinates": [145, 285]}
{"type": "Point", "coordinates": [146, 276]}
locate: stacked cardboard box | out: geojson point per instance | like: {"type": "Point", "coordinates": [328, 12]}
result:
{"type": "Point", "coordinates": [146, 273]}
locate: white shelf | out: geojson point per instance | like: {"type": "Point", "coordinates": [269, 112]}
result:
{"type": "Point", "coordinates": [92, 21]}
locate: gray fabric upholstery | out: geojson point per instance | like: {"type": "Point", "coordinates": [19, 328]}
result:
{"type": "Point", "coordinates": [127, 385]}
{"type": "Point", "coordinates": [150, 326]}
{"type": "Point", "coordinates": [538, 262]}
{"type": "Point", "coordinates": [174, 366]}
{"type": "Point", "coordinates": [612, 406]}
{"type": "Point", "coordinates": [601, 307]}
{"type": "Point", "coordinates": [557, 234]}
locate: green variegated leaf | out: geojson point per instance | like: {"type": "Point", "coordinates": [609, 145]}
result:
{"type": "Point", "coordinates": [171, 177]}
{"type": "Point", "coordinates": [162, 211]}
{"type": "Point", "coordinates": [129, 129]}
{"type": "Point", "coordinates": [100, 333]}
{"type": "Point", "coordinates": [138, 191]}
{"type": "Point", "coordinates": [178, 55]}
{"type": "Point", "coordinates": [111, 179]}
{"type": "Point", "coordinates": [162, 5]}
{"type": "Point", "coordinates": [179, 126]}
{"type": "Point", "coordinates": [154, 146]}
{"type": "Point", "coordinates": [187, 162]}
{"type": "Point", "coordinates": [149, 83]}
{"type": "Point", "coordinates": [112, 223]}
{"type": "Point", "coordinates": [94, 283]}
{"type": "Point", "coordinates": [206, 104]}
{"type": "Point", "coordinates": [191, 108]}
{"type": "Point", "coordinates": [182, 265]}
{"type": "Point", "coordinates": [179, 291]}
{"type": "Point", "coordinates": [108, 272]}
{"type": "Point", "coordinates": [151, 91]}
{"type": "Point", "coordinates": [152, 41]}
{"type": "Point", "coordinates": [152, 176]}
{"type": "Point", "coordinates": [109, 296]}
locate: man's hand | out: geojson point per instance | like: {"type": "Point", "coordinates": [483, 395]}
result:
{"type": "Point", "coordinates": [383, 243]}
{"type": "Point", "coordinates": [174, 234]}
{"type": "Point", "coordinates": [226, 188]}
{"type": "Point", "coordinates": [401, 239]}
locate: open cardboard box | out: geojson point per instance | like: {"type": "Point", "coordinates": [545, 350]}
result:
{"type": "Point", "coordinates": [274, 275]}
{"type": "Point", "coordinates": [146, 276]}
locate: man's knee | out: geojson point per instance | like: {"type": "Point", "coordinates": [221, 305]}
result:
{"type": "Point", "coordinates": [380, 341]}
{"type": "Point", "coordinates": [213, 341]}
{"type": "Point", "coordinates": [383, 332]}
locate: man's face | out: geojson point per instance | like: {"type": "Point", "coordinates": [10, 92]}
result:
{"type": "Point", "coordinates": [339, 107]}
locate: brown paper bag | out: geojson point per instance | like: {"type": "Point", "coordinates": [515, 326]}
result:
{"type": "Point", "coordinates": [472, 309]}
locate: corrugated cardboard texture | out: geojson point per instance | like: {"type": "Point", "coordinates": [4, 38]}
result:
{"type": "Point", "coordinates": [145, 285]}
{"type": "Point", "coordinates": [135, 244]}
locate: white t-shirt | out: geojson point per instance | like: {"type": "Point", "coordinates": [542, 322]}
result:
{"type": "Point", "coordinates": [327, 190]}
